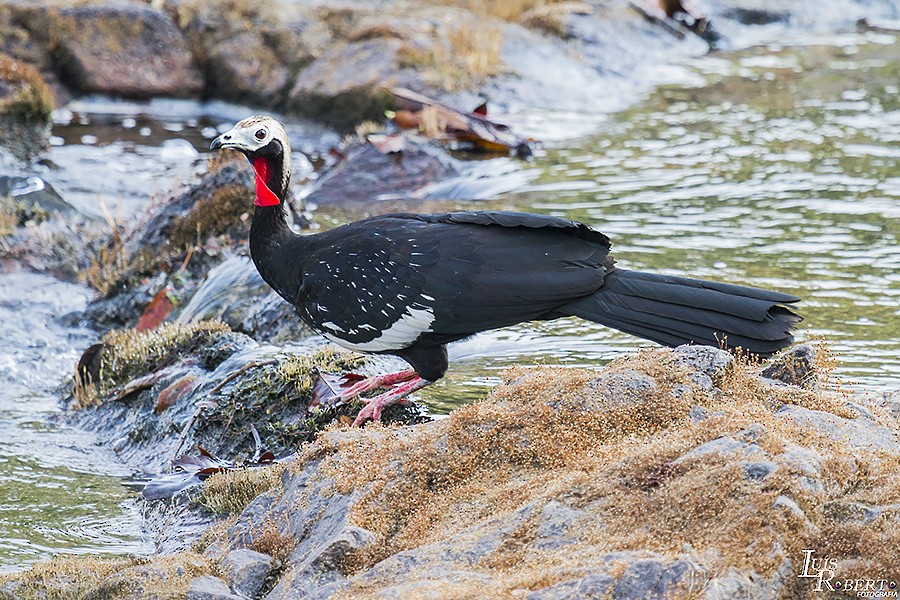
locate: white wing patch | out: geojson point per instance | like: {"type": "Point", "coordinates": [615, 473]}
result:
{"type": "Point", "coordinates": [402, 333]}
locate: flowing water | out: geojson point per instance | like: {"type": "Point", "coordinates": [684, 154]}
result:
{"type": "Point", "coordinates": [775, 167]}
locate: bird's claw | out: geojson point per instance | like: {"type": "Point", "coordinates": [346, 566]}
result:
{"type": "Point", "coordinates": [330, 390]}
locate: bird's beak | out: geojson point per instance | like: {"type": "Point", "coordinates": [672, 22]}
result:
{"type": "Point", "coordinates": [226, 140]}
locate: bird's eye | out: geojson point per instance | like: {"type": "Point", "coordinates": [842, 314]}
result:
{"type": "Point", "coordinates": [261, 134]}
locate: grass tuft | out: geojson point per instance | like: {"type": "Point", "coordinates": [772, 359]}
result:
{"type": "Point", "coordinates": [230, 492]}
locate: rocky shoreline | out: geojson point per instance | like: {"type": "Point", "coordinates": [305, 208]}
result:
{"type": "Point", "coordinates": [668, 474]}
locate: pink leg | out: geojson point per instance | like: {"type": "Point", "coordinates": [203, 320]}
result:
{"type": "Point", "coordinates": [374, 406]}
{"type": "Point", "coordinates": [386, 380]}
{"type": "Point", "coordinates": [331, 391]}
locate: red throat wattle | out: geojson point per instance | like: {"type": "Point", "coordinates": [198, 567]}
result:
{"type": "Point", "coordinates": [264, 195]}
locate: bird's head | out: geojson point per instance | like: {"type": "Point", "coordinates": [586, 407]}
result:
{"type": "Point", "coordinates": [265, 144]}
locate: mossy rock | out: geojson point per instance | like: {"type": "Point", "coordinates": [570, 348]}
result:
{"type": "Point", "coordinates": [24, 95]}
{"type": "Point", "coordinates": [26, 103]}
{"type": "Point", "coordinates": [124, 49]}
{"type": "Point", "coordinates": [123, 355]}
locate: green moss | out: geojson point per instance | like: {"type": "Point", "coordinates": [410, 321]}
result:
{"type": "Point", "coordinates": [219, 214]}
{"type": "Point", "coordinates": [274, 399]}
{"type": "Point", "coordinates": [128, 353]}
{"type": "Point", "coordinates": [89, 577]}
{"type": "Point", "coordinates": [230, 492]}
{"type": "Point", "coordinates": [29, 99]}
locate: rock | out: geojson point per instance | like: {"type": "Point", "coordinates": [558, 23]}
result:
{"type": "Point", "coordinates": [25, 106]}
{"type": "Point", "coordinates": [796, 366]}
{"type": "Point", "coordinates": [243, 68]}
{"type": "Point", "coordinates": [586, 588]}
{"type": "Point", "coordinates": [707, 364]}
{"type": "Point", "coordinates": [860, 433]}
{"type": "Point", "coordinates": [346, 84]}
{"type": "Point", "coordinates": [246, 570]}
{"type": "Point", "coordinates": [208, 587]}
{"type": "Point", "coordinates": [733, 585]}
{"type": "Point", "coordinates": [856, 512]}
{"type": "Point", "coordinates": [629, 388]}
{"type": "Point", "coordinates": [122, 49]}
{"type": "Point", "coordinates": [215, 204]}
{"type": "Point", "coordinates": [726, 447]}
{"type": "Point", "coordinates": [370, 178]}
{"type": "Point", "coordinates": [759, 470]}
{"type": "Point", "coordinates": [556, 521]}
{"type": "Point", "coordinates": [639, 581]}
{"type": "Point", "coordinates": [34, 199]}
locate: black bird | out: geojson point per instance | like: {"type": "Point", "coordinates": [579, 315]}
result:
{"type": "Point", "coordinates": [409, 284]}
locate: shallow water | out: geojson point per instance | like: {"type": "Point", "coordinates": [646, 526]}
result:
{"type": "Point", "coordinates": [58, 491]}
{"type": "Point", "coordinates": [778, 169]}
{"type": "Point", "coordinates": [775, 167]}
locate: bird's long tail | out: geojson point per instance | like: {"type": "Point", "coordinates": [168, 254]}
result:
{"type": "Point", "coordinates": [678, 310]}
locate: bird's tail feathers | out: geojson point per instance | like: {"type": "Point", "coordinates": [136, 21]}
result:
{"type": "Point", "coordinates": [677, 310]}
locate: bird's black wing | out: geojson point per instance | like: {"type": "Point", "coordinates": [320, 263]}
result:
{"type": "Point", "coordinates": [385, 282]}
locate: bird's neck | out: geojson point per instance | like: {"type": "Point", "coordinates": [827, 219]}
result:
{"type": "Point", "coordinates": [273, 245]}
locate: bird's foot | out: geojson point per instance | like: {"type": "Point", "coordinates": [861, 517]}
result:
{"type": "Point", "coordinates": [332, 390]}
{"type": "Point", "coordinates": [396, 395]}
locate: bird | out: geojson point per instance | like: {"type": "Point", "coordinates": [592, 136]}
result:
{"type": "Point", "coordinates": [408, 284]}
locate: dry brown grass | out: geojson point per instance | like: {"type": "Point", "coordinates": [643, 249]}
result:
{"type": "Point", "coordinates": [532, 441]}
{"type": "Point", "coordinates": [469, 55]}
{"type": "Point", "coordinates": [82, 577]}
{"type": "Point", "coordinates": [107, 268]}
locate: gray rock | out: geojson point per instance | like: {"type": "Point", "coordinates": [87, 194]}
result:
{"type": "Point", "coordinates": [791, 508]}
{"type": "Point", "coordinates": [556, 521]}
{"type": "Point", "coordinates": [753, 434]}
{"type": "Point", "coordinates": [367, 175]}
{"type": "Point", "coordinates": [860, 433]}
{"type": "Point", "coordinates": [724, 446]}
{"type": "Point", "coordinates": [759, 470]}
{"type": "Point", "coordinates": [640, 581]}
{"type": "Point", "coordinates": [346, 84]}
{"type": "Point", "coordinates": [857, 512]}
{"type": "Point", "coordinates": [707, 364]}
{"type": "Point", "coordinates": [234, 293]}
{"type": "Point", "coordinates": [628, 388]}
{"type": "Point", "coordinates": [208, 587]}
{"type": "Point", "coordinates": [796, 366]}
{"type": "Point", "coordinates": [682, 577]}
{"type": "Point", "coordinates": [733, 585]}
{"type": "Point", "coordinates": [586, 588]}
{"type": "Point", "coordinates": [122, 49]}
{"type": "Point", "coordinates": [246, 570]}
{"type": "Point", "coordinates": [33, 195]}
{"type": "Point", "coordinates": [243, 68]}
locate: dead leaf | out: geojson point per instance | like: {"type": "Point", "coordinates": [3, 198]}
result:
{"type": "Point", "coordinates": [443, 123]}
{"type": "Point", "coordinates": [157, 311]}
{"type": "Point", "coordinates": [172, 394]}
